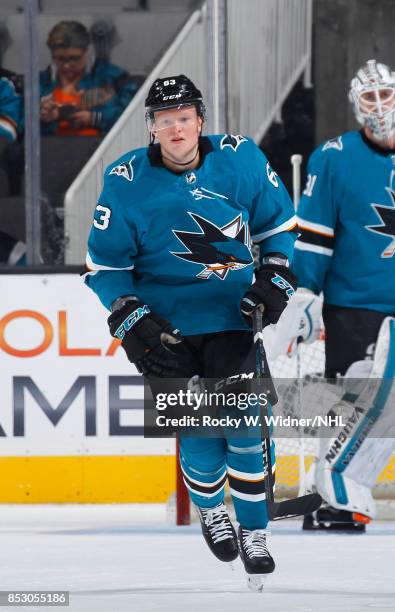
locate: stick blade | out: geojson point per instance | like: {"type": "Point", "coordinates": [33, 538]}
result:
{"type": "Point", "coordinates": [294, 507]}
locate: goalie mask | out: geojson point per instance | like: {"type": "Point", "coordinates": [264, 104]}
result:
{"type": "Point", "coordinates": [372, 94]}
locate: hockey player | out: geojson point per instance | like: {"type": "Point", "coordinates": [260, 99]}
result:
{"type": "Point", "coordinates": [346, 249]}
{"type": "Point", "coordinates": [170, 255]}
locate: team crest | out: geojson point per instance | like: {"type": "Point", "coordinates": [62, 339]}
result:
{"type": "Point", "coordinates": [125, 170]}
{"type": "Point", "coordinates": [218, 249]}
{"type": "Point", "coordinates": [386, 214]}
{"type": "Point", "coordinates": [333, 143]}
{"type": "Point", "coordinates": [229, 140]}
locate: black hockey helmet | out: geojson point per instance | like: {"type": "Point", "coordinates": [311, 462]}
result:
{"type": "Point", "coordinates": [173, 92]}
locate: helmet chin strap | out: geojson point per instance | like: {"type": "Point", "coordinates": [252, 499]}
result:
{"type": "Point", "coordinates": [176, 163]}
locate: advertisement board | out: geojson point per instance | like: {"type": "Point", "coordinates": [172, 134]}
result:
{"type": "Point", "coordinates": [70, 400]}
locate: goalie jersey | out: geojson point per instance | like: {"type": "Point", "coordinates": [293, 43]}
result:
{"type": "Point", "coordinates": [181, 242]}
{"type": "Point", "coordinates": [347, 221]}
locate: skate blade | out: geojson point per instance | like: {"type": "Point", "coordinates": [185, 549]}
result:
{"type": "Point", "coordinates": [256, 582]}
{"type": "Point", "coordinates": [231, 566]}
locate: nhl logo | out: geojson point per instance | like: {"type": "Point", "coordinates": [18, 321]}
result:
{"type": "Point", "coordinates": [190, 178]}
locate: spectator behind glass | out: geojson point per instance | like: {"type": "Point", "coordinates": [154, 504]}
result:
{"type": "Point", "coordinates": [10, 110]}
{"type": "Point", "coordinates": [10, 119]}
{"type": "Point", "coordinates": [80, 95]}
{"type": "Point", "coordinates": [12, 251]}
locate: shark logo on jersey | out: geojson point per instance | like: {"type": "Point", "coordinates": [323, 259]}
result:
{"type": "Point", "coordinates": [333, 143]}
{"type": "Point", "coordinates": [232, 141]}
{"type": "Point", "coordinates": [218, 249]}
{"type": "Point", "coordinates": [125, 170]}
{"type": "Point", "coordinates": [386, 214]}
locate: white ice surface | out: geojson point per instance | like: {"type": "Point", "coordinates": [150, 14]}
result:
{"type": "Point", "coordinates": [127, 558]}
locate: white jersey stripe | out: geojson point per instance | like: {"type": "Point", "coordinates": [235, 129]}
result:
{"type": "Point", "coordinates": [248, 496]}
{"type": "Point", "coordinates": [314, 248]}
{"type": "Point", "coordinates": [248, 476]}
{"type": "Point", "coordinates": [203, 493]}
{"type": "Point", "coordinates": [286, 226]}
{"type": "Point", "coordinates": [200, 482]}
{"type": "Point", "coordinates": [317, 228]}
{"type": "Point", "coordinates": [94, 267]}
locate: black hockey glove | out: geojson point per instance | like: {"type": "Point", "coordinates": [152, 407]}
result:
{"type": "Point", "coordinates": [274, 285]}
{"type": "Point", "coordinates": [150, 342]}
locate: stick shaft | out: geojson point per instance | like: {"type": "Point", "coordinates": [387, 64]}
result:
{"type": "Point", "coordinates": [296, 161]}
{"type": "Point", "coordinates": [260, 373]}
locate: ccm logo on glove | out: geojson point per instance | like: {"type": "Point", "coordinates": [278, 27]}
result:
{"type": "Point", "coordinates": [274, 285]}
{"type": "Point", "coordinates": [153, 344]}
{"type": "Point", "coordinates": [131, 320]}
{"type": "Point", "coordinates": [283, 284]}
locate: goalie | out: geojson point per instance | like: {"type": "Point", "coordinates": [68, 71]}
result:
{"type": "Point", "coordinates": [346, 250]}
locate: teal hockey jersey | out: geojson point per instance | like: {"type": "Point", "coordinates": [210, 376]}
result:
{"type": "Point", "coordinates": [181, 242]}
{"type": "Point", "coordinates": [347, 221]}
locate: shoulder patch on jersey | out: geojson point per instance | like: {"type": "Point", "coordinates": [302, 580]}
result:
{"type": "Point", "coordinates": [271, 175]}
{"type": "Point", "coordinates": [333, 143]}
{"type": "Point", "coordinates": [125, 170]}
{"type": "Point", "coordinates": [232, 141]}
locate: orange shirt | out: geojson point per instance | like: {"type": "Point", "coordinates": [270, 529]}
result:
{"type": "Point", "coordinates": [65, 127]}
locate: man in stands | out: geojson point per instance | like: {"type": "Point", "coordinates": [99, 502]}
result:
{"type": "Point", "coordinates": [80, 94]}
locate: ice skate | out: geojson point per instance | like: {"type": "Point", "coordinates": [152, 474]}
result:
{"type": "Point", "coordinates": [219, 532]}
{"type": "Point", "coordinates": [256, 558]}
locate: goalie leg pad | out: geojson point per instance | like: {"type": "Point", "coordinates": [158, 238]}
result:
{"type": "Point", "coordinates": [349, 463]}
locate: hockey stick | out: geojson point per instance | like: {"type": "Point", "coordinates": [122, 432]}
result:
{"type": "Point", "coordinates": [296, 161]}
{"type": "Point", "coordinates": [291, 507]}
